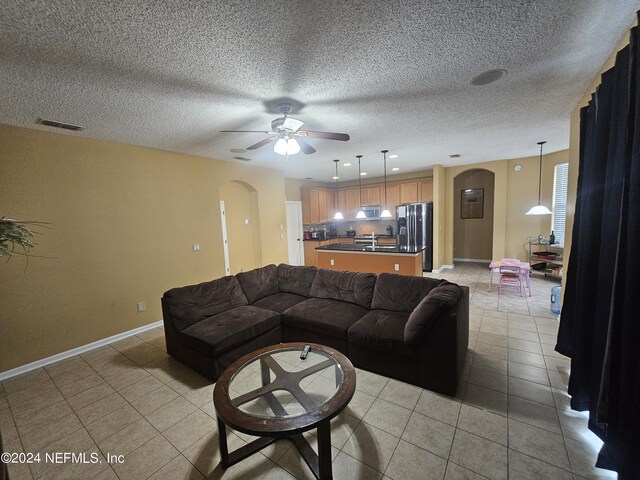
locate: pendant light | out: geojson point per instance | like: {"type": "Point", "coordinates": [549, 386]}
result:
{"type": "Point", "coordinates": [360, 215]}
{"type": "Point", "coordinates": [338, 215]}
{"type": "Point", "coordinates": [385, 213]}
{"type": "Point", "coordinates": [539, 209]}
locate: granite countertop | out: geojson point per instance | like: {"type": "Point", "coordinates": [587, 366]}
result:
{"type": "Point", "coordinates": [346, 247]}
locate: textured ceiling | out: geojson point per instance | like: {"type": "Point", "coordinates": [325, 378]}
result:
{"type": "Point", "coordinates": [392, 74]}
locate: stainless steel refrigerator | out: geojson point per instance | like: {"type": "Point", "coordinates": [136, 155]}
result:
{"type": "Point", "coordinates": [415, 229]}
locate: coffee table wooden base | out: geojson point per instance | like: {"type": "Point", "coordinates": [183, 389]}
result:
{"type": "Point", "coordinates": [320, 463]}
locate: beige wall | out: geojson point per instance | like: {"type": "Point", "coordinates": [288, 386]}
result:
{"type": "Point", "coordinates": [514, 194]}
{"type": "Point", "coordinates": [438, 216]}
{"type": "Point", "coordinates": [124, 221]}
{"type": "Point", "coordinates": [473, 237]}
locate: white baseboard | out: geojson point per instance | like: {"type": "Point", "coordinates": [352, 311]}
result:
{"type": "Point", "coordinates": [442, 268]}
{"type": "Point", "coordinates": [476, 260]}
{"type": "Point", "coordinates": [76, 351]}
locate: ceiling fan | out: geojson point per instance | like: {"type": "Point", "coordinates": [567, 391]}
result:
{"type": "Point", "coordinates": [285, 131]}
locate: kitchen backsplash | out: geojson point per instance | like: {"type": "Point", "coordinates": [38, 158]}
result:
{"type": "Point", "coordinates": [376, 226]}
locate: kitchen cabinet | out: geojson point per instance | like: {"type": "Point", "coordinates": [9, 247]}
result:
{"type": "Point", "coordinates": [370, 196]}
{"type": "Point", "coordinates": [393, 198]}
{"type": "Point", "coordinates": [310, 252]}
{"type": "Point", "coordinates": [314, 207]}
{"type": "Point", "coordinates": [408, 192]}
{"type": "Point", "coordinates": [317, 205]}
{"type": "Point", "coordinates": [348, 202]}
{"type": "Point", "coordinates": [426, 190]}
{"type": "Point", "coordinates": [322, 206]}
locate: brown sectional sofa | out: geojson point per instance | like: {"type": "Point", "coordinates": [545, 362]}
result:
{"type": "Point", "coordinates": [413, 329]}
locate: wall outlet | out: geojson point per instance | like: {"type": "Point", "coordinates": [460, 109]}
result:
{"type": "Point", "coordinates": [333, 262]}
{"type": "Point", "coordinates": [247, 221]}
{"type": "Point", "coordinates": [281, 236]}
{"type": "Point", "coordinates": [141, 306]}
{"type": "Point", "coordinates": [196, 247]}
{"type": "Point", "coordinates": [396, 267]}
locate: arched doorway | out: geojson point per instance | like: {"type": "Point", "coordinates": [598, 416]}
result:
{"type": "Point", "coordinates": [241, 220]}
{"type": "Point", "coordinates": [473, 200]}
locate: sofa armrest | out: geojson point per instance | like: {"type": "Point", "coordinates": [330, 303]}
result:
{"type": "Point", "coordinates": [444, 349]}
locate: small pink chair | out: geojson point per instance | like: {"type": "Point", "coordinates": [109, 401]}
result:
{"type": "Point", "coordinates": [509, 275]}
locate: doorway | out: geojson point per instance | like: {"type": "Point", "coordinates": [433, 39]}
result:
{"type": "Point", "coordinates": [294, 233]}
{"type": "Point", "coordinates": [473, 201]}
{"type": "Point", "coordinates": [240, 219]}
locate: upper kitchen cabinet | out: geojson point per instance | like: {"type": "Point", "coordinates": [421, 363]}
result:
{"type": "Point", "coordinates": [426, 190]}
{"type": "Point", "coordinates": [408, 192]}
{"type": "Point", "coordinates": [393, 198]}
{"type": "Point", "coordinates": [370, 196]}
{"type": "Point", "coordinates": [348, 202]}
{"type": "Point", "coordinates": [317, 205]}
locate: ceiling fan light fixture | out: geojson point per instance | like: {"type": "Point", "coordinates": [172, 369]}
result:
{"type": "Point", "coordinates": [286, 146]}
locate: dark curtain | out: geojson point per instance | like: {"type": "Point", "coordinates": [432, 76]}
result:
{"type": "Point", "coordinates": [600, 321]}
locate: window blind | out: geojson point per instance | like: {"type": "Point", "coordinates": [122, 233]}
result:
{"type": "Point", "coordinates": [560, 182]}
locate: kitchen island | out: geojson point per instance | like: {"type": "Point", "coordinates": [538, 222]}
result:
{"type": "Point", "coordinates": [404, 260]}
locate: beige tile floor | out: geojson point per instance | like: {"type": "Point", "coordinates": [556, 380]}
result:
{"type": "Point", "coordinates": [510, 419]}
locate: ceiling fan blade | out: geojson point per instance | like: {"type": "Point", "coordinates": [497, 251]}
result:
{"type": "Point", "coordinates": [305, 147]}
{"type": "Point", "coordinates": [261, 143]}
{"type": "Point", "coordinates": [343, 137]}
{"type": "Point", "coordinates": [245, 131]}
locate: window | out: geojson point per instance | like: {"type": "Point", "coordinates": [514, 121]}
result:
{"type": "Point", "coordinates": [560, 180]}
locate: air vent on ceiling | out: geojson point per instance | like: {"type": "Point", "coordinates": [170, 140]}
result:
{"type": "Point", "coordinates": [308, 178]}
{"type": "Point", "coordinates": [53, 123]}
{"type": "Point", "coordinates": [490, 76]}
{"type": "Point", "coordinates": [244, 159]}
{"type": "Point", "coordinates": [454, 155]}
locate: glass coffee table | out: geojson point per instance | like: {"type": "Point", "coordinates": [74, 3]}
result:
{"type": "Point", "coordinates": [271, 393]}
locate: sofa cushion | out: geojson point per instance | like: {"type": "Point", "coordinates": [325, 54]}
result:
{"type": "Point", "coordinates": [219, 333]}
{"type": "Point", "coordinates": [438, 301]}
{"type": "Point", "coordinates": [401, 293]}
{"type": "Point", "coordinates": [383, 330]}
{"type": "Point", "coordinates": [353, 287]}
{"type": "Point", "coordinates": [259, 283]}
{"type": "Point", "coordinates": [332, 317]}
{"type": "Point", "coordinates": [279, 302]}
{"type": "Point", "coordinates": [191, 304]}
{"type": "Point", "coordinates": [296, 279]}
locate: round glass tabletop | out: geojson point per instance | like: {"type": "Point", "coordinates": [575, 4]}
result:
{"type": "Point", "coordinates": [278, 384]}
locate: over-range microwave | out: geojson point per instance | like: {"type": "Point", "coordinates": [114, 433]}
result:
{"type": "Point", "coordinates": [372, 212]}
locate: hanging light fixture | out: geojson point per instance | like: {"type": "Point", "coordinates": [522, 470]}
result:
{"type": "Point", "coordinates": [385, 213]}
{"type": "Point", "coordinates": [338, 215]}
{"type": "Point", "coordinates": [286, 146]}
{"type": "Point", "coordinates": [539, 209]}
{"type": "Point", "coordinates": [360, 215]}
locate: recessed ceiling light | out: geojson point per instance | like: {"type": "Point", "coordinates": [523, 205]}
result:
{"type": "Point", "coordinates": [393, 156]}
{"type": "Point", "coordinates": [490, 76]}
{"type": "Point", "coordinates": [395, 169]}
{"type": "Point", "coordinates": [363, 173]}
{"type": "Point", "coordinates": [336, 178]}
{"type": "Point", "coordinates": [346, 164]}
{"type": "Point", "coordinates": [308, 178]}
{"type": "Point", "coordinates": [454, 155]}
